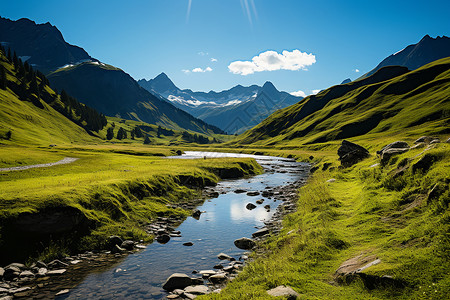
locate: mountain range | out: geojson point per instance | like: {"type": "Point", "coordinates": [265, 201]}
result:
{"type": "Point", "coordinates": [105, 88]}
{"type": "Point", "coordinates": [234, 111]}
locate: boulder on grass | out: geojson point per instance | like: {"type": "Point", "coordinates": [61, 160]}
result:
{"type": "Point", "coordinates": [283, 291]}
{"type": "Point", "coordinates": [350, 153]}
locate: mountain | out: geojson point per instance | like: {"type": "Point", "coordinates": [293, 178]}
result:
{"type": "Point", "coordinates": [31, 113]}
{"type": "Point", "coordinates": [103, 87]}
{"type": "Point", "coordinates": [414, 56]}
{"type": "Point", "coordinates": [234, 110]}
{"type": "Point", "coordinates": [391, 100]}
{"type": "Point", "coordinates": [41, 45]}
{"type": "Point", "coordinates": [115, 93]}
{"type": "Point", "coordinates": [346, 81]}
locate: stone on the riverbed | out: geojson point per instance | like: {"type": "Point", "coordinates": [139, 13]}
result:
{"type": "Point", "coordinates": [196, 214]}
{"type": "Point", "coordinates": [21, 292]}
{"type": "Point", "coordinates": [197, 289]}
{"type": "Point", "coordinates": [26, 274]}
{"type": "Point", "coordinates": [42, 272]}
{"type": "Point", "coordinates": [188, 244]}
{"type": "Point", "coordinates": [189, 296]}
{"type": "Point", "coordinates": [260, 201]}
{"type": "Point", "coordinates": [283, 291]}
{"type": "Point", "coordinates": [250, 206]}
{"type": "Point", "coordinates": [218, 267]}
{"type": "Point", "coordinates": [62, 292]}
{"type": "Point", "coordinates": [207, 273]}
{"type": "Point", "coordinates": [177, 281]}
{"type": "Point", "coordinates": [267, 207]}
{"type": "Point", "coordinates": [244, 243]}
{"type": "Point", "coordinates": [117, 249]}
{"type": "Point", "coordinates": [253, 193]}
{"type": "Point", "coordinates": [223, 256]}
{"type": "Point", "coordinates": [57, 264]}
{"type": "Point", "coordinates": [114, 240]}
{"type": "Point", "coordinates": [57, 272]}
{"type": "Point", "coordinates": [162, 239]}
{"type": "Point", "coordinates": [261, 232]}
{"type": "Point", "coordinates": [218, 278]}
{"type": "Point", "coordinates": [128, 245]}
{"type": "Point", "coordinates": [17, 265]}
{"type": "Point", "coordinates": [239, 191]}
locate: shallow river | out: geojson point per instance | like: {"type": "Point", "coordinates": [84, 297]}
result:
{"type": "Point", "coordinates": [141, 275]}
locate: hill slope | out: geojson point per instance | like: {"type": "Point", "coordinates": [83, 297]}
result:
{"type": "Point", "coordinates": [414, 56]}
{"type": "Point", "coordinates": [234, 110]}
{"type": "Point", "coordinates": [27, 119]}
{"type": "Point", "coordinates": [391, 100]}
{"type": "Point", "coordinates": [115, 93]}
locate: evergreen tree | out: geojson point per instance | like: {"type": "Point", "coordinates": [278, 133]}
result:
{"type": "Point", "coordinates": [8, 135]}
{"type": "Point", "coordinates": [121, 134]}
{"type": "Point", "coordinates": [3, 80]}
{"type": "Point", "coordinates": [110, 133]}
{"type": "Point", "coordinates": [138, 132]}
{"type": "Point", "coordinates": [158, 133]}
{"type": "Point", "coordinates": [147, 140]}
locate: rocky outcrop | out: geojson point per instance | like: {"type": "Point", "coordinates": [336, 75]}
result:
{"type": "Point", "coordinates": [392, 149]}
{"type": "Point", "coordinates": [350, 153]}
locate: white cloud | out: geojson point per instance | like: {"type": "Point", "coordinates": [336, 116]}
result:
{"type": "Point", "coordinates": [313, 92]}
{"type": "Point", "coordinates": [356, 70]}
{"type": "Point", "coordinates": [213, 59]}
{"type": "Point", "coordinates": [271, 61]}
{"type": "Point", "coordinates": [203, 53]}
{"type": "Point", "coordinates": [200, 70]}
{"type": "Point", "coordinates": [299, 94]}
{"type": "Point", "coordinates": [186, 71]}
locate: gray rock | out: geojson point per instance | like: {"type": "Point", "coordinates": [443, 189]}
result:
{"type": "Point", "coordinates": [250, 206]}
{"type": "Point", "coordinates": [244, 243]}
{"type": "Point", "coordinates": [435, 141]}
{"type": "Point", "coordinates": [2, 271]}
{"type": "Point", "coordinates": [114, 240]}
{"type": "Point", "coordinates": [57, 264]}
{"type": "Point", "coordinates": [448, 140]}
{"type": "Point", "coordinates": [20, 266]}
{"type": "Point", "coordinates": [189, 296]}
{"type": "Point", "coordinates": [26, 274]}
{"type": "Point", "coordinates": [42, 272]}
{"type": "Point", "coordinates": [387, 154]}
{"type": "Point", "coordinates": [188, 244]}
{"type": "Point", "coordinates": [424, 139]}
{"type": "Point", "coordinates": [252, 194]}
{"type": "Point", "coordinates": [7, 298]}
{"type": "Point", "coordinates": [350, 153]}
{"type": "Point", "coordinates": [197, 289]}
{"type": "Point", "coordinates": [283, 291]}
{"type": "Point", "coordinates": [394, 145]}
{"type": "Point", "coordinates": [218, 266]}
{"type": "Point", "coordinates": [197, 281]}
{"type": "Point", "coordinates": [261, 232]}
{"type": "Point", "coordinates": [11, 272]}
{"type": "Point", "coordinates": [56, 272]}
{"type": "Point", "coordinates": [196, 214]}
{"type": "Point", "coordinates": [21, 292]}
{"type": "Point", "coordinates": [117, 249]}
{"type": "Point", "coordinates": [223, 256]}
{"type": "Point", "coordinates": [239, 191]}
{"type": "Point", "coordinates": [177, 281]}
{"type": "Point", "coordinates": [267, 207]}
{"type": "Point", "coordinates": [62, 292]}
{"type": "Point", "coordinates": [128, 245]}
{"type": "Point", "coordinates": [162, 239]}
{"type": "Point", "coordinates": [260, 201]}
{"type": "Point", "coordinates": [218, 278]}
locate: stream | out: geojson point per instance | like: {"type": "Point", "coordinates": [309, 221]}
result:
{"type": "Point", "coordinates": [224, 219]}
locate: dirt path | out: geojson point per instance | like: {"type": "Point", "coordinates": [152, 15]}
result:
{"type": "Point", "coordinates": [65, 160]}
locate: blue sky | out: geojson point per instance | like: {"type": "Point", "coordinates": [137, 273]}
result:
{"type": "Point", "coordinates": [324, 41]}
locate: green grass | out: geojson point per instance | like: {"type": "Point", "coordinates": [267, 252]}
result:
{"type": "Point", "coordinates": [366, 210]}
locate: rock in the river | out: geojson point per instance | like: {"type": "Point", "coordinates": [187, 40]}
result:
{"type": "Point", "coordinates": [21, 292]}
{"type": "Point", "coordinates": [250, 206]}
{"type": "Point", "coordinates": [177, 281]}
{"type": "Point", "coordinates": [62, 292]}
{"type": "Point", "coordinates": [239, 191]}
{"type": "Point", "coordinates": [218, 267]}
{"type": "Point", "coordinates": [197, 289]}
{"type": "Point", "coordinates": [57, 264]}
{"type": "Point", "coordinates": [253, 193]}
{"type": "Point", "coordinates": [260, 201]}
{"type": "Point", "coordinates": [223, 256]}
{"type": "Point", "coordinates": [196, 214]}
{"type": "Point", "coordinates": [188, 244]}
{"type": "Point", "coordinates": [57, 272]}
{"type": "Point", "coordinates": [218, 278]}
{"type": "Point", "coordinates": [162, 239]}
{"type": "Point", "coordinates": [283, 291]}
{"type": "Point", "coordinates": [244, 243]}
{"type": "Point", "coordinates": [26, 274]}
{"type": "Point", "coordinates": [261, 232]}
{"type": "Point", "coordinates": [350, 153]}
{"type": "Point", "coordinates": [128, 244]}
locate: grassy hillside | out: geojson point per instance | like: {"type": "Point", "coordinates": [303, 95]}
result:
{"type": "Point", "coordinates": [32, 121]}
{"type": "Point", "coordinates": [390, 101]}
